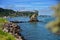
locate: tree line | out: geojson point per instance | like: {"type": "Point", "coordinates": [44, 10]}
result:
{"type": "Point", "coordinates": [10, 12]}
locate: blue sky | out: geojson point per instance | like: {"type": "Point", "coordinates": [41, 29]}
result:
{"type": "Point", "coordinates": [43, 6]}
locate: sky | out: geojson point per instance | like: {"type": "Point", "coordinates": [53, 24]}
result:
{"type": "Point", "coordinates": [43, 6]}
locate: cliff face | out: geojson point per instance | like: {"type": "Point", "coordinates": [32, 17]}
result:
{"type": "Point", "coordinates": [33, 18]}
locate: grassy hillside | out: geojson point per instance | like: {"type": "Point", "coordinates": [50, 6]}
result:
{"type": "Point", "coordinates": [10, 12]}
{"type": "Point", "coordinates": [4, 35]}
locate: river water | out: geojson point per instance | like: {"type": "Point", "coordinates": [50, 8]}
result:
{"type": "Point", "coordinates": [35, 30]}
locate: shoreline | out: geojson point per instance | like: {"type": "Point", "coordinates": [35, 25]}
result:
{"type": "Point", "coordinates": [13, 29]}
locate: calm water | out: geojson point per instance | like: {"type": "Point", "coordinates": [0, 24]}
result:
{"type": "Point", "coordinates": [37, 30]}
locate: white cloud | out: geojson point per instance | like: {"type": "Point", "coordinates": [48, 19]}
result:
{"type": "Point", "coordinates": [32, 6]}
{"type": "Point", "coordinates": [23, 5]}
{"type": "Point", "coordinates": [41, 3]}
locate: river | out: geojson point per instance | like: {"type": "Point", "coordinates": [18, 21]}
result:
{"type": "Point", "coordinates": [35, 30]}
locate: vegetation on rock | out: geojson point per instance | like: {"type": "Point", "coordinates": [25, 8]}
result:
{"type": "Point", "coordinates": [4, 35]}
{"type": "Point", "coordinates": [54, 26]}
{"type": "Point", "coordinates": [9, 12]}
{"type": "Point", "coordinates": [33, 18]}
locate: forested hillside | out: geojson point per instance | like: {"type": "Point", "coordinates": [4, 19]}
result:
{"type": "Point", "coordinates": [10, 12]}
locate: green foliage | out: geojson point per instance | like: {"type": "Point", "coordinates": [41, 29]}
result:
{"type": "Point", "coordinates": [54, 26]}
{"type": "Point", "coordinates": [56, 10]}
{"type": "Point", "coordinates": [9, 12]}
{"type": "Point", "coordinates": [3, 20]}
{"type": "Point", "coordinates": [6, 12]}
{"type": "Point", "coordinates": [27, 13]}
{"type": "Point", "coordinates": [4, 35]}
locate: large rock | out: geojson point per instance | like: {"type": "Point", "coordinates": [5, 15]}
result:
{"type": "Point", "coordinates": [33, 18]}
{"type": "Point", "coordinates": [13, 29]}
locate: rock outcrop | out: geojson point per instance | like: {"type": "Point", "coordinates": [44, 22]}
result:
{"type": "Point", "coordinates": [33, 18]}
{"type": "Point", "coordinates": [13, 29]}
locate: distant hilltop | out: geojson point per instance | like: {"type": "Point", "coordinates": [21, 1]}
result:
{"type": "Point", "coordinates": [10, 12]}
{"type": "Point", "coordinates": [27, 13]}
